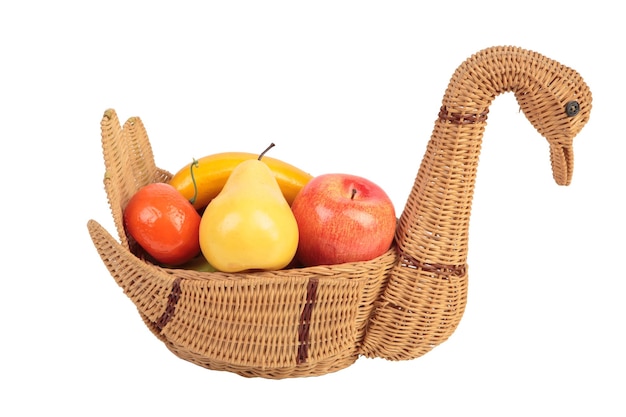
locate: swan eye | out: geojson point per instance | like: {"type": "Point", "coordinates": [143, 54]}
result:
{"type": "Point", "coordinates": [572, 108]}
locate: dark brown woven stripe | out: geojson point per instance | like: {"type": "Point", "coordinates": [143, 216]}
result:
{"type": "Point", "coordinates": [305, 321]}
{"type": "Point", "coordinates": [170, 309]}
{"type": "Point", "coordinates": [461, 118]}
{"type": "Point", "coordinates": [439, 269]}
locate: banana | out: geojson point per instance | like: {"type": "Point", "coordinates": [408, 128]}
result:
{"type": "Point", "coordinates": [211, 172]}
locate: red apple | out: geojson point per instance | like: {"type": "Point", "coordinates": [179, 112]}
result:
{"type": "Point", "coordinates": [342, 218]}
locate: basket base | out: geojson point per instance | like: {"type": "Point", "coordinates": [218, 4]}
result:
{"type": "Point", "coordinates": [319, 368]}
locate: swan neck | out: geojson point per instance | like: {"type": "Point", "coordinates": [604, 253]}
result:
{"type": "Point", "coordinates": [434, 225]}
{"type": "Point", "coordinates": [435, 222]}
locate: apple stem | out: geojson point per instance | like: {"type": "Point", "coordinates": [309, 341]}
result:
{"type": "Point", "coordinates": [353, 194]}
{"type": "Point", "coordinates": [193, 179]}
{"type": "Point", "coordinates": [266, 149]}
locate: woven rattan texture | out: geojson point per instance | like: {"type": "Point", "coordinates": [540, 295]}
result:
{"type": "Point", "coordinates": [312, 321]}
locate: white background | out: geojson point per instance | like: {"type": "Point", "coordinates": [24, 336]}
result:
{"type": "Point", "coordinates": [338, 86]}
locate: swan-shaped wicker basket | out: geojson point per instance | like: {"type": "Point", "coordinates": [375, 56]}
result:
{"type": "Point", "coordinates": [316, 320]}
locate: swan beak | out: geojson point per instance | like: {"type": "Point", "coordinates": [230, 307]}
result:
{"type": "Point", "coordinates": [562, 159]}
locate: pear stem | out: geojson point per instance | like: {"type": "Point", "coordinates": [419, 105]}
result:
{"type": "Point", "coordinates": [266, 149]}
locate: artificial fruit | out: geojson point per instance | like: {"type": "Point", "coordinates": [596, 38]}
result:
{"type": "Point", "coordinates": [163, 223]}
{"type": "Point", "coordinates": [249, 224]}
{"type": "Point", "coordinates": [342, 218]}
{"type": "Point", "coordinates": [201, 180]}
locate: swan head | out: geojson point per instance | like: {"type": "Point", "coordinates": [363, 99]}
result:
{"type": "Point", "coordinates": [558, 108]}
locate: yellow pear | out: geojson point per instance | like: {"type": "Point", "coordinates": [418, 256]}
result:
{"type": "Point", "coordinates": [249, 225]}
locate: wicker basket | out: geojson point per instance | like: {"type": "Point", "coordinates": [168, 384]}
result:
{"type": "Point", "coordinates": [316, 320]}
